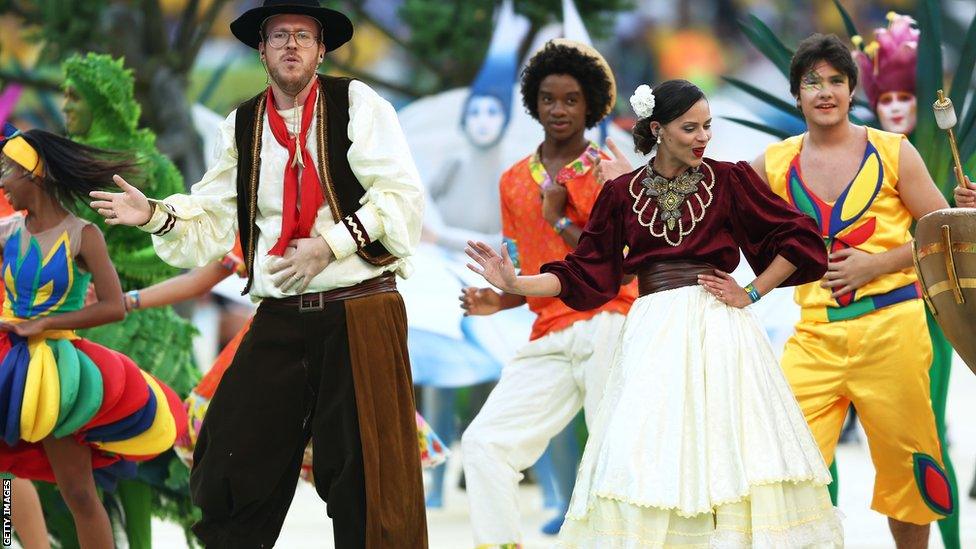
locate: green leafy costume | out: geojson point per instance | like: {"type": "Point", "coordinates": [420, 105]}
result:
{"type": "Point", "coordinates": [934, 150]}
{"type": "Point", "coordinates": [157, 339]}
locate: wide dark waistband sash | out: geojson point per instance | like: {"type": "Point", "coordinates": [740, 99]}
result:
{"type": "Point", "coordinates": [316, 301]}
{"type": "Point", "coordinates": [668, 275]}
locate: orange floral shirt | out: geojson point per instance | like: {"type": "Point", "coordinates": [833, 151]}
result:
{"type": "Point", "coordinates": [532, 242]}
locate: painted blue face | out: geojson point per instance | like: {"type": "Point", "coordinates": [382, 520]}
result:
{"type": "Point", "coordinates": [484, 120]}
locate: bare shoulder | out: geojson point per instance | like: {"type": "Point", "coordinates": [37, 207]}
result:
{"type": "Point", "coordinates": [907, 151]}
{"type": "Point", "coordinates": [91, 235]}
{"type": "Point", "coordinates": [911, 166]}
{"type": "Point", "coordinates": [91, 230]}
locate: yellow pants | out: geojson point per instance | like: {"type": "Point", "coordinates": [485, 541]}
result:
{"type": "Point", "coordinates": [880, 363]}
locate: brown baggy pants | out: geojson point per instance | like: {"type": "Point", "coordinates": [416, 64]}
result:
{"type": "Point", "coordinates": [340, 375]}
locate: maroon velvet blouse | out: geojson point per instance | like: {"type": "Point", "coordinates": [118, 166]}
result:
{"type": "Point", "coordinates": [737, 211]}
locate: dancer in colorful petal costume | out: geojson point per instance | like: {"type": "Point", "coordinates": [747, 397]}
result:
{"type": "Point", "coordinates": [26, 513]}
{"type": "Point", "coordinates": [68, 405]}
{"type": "Point", "coordinates": [195, 283]}
{"type": "Point", "coordinates": [698, 441]}
{"type": "Point", "coordinates": [101, 111]}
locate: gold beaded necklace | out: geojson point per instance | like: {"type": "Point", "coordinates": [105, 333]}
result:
{"type": "Point", "coordinates": [668, 197]}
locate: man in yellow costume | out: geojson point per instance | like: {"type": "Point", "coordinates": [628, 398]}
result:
{"type": "Point", "coordinates": [858, 339]}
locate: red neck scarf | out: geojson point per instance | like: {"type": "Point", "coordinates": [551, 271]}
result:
{"type": "Point", "coordinates": [296, 222]}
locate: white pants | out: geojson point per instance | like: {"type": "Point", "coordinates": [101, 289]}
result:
{"type": "Point", "coordinates": [539, 393]}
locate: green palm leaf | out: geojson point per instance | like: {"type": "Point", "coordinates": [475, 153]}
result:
{"type": "Point", "coordinates": [851, 33]}
{"type": "Point", "coordinates": [765, 97]}
{"type": "Point", "coordinates": [967, 144]}
{"type": "Point", "coordinates": [964, 72]}
{"type": "Point", "coordinates": [931, 145]}
{"type": "Point", "coordinates": [959, 90]}
{"type": "Point", "coordinates": [775, 132]}
{"type": "Point", "coordinates": [768, 43]}
{"type": "Point", "coordinates": [848, 22]}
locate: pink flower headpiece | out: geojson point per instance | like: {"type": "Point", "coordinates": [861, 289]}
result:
{"type": "Point", "coordinates": [888, 64]}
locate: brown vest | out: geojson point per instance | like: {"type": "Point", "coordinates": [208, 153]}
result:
{"type": "Point", "coordinates": [341, 188]}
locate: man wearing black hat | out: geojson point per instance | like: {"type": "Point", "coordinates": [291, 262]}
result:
{"type": "Point", "coordinates": [315, 174]}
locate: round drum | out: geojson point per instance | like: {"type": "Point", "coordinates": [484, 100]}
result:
{"type": "Point", "coordinates": [945, 259]}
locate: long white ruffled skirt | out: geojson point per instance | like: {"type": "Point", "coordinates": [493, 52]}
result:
{"type": "Point", "coordinates": [699, 441]}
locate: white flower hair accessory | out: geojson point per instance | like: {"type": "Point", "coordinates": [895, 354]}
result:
{"type": "Point", "coordinates": [643, 101]}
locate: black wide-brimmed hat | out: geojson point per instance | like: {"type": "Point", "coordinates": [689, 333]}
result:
{"type": "Point", "coordinates": [336, 27]}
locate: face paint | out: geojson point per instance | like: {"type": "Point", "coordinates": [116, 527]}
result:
{"type": "Point", "coordinates": [897, 112]}
{"type": "Point", "coordinates": [812, 81]}
{"type": "Point", "coordinates": [824, 96]}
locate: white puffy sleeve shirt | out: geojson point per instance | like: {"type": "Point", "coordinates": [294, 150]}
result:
{"type": "Point", "coordinates": [391, 211]}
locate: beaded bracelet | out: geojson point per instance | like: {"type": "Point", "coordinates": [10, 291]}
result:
{"type": "Point", "coordinates": [753, 293]}
{"type": "Point", "coordinates": [562, 224]}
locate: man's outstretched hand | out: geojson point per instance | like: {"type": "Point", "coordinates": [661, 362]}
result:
{"type": "Point", "coordinates": [129, 207]}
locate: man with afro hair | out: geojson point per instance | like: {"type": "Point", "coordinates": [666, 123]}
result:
{"type": "Point", "coordinates": [546, 199]}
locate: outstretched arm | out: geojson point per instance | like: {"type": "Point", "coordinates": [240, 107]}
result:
{"type": "Point", "coordinates": [499, 272]}
{"type": "Point", "coordinates": [189, 230]}
{"type": "Point", "coordinates": [130, 207]}
{"type": "Point", "coordinates": [186, 286]}
{"type": "Point", "coordinates": [485, 301]}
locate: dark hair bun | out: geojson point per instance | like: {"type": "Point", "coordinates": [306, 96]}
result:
{"type": "Point", "coordinates": [671, 100]}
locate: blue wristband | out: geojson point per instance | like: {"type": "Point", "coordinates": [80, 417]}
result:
{"type": "Point", "coordinates": [753, 293]}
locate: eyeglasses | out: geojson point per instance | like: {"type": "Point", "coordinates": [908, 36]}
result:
{"type": "Point", "coordinates": [304, 39]}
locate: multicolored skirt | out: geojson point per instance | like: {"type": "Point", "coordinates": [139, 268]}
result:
{"type": "Point", "coordinates": [57, 384]}
{"type": "Point", "coordinates": [432, 449]}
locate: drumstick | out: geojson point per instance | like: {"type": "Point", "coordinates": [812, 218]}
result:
{"type": "Point", "coordinates": [945, 117]}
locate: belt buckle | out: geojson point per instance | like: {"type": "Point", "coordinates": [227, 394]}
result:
{"type": "Point", "coordinates": [310, 302]}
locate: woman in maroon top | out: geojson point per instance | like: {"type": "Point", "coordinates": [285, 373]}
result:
{"type": "Point", "coordinates": [698, 440]}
